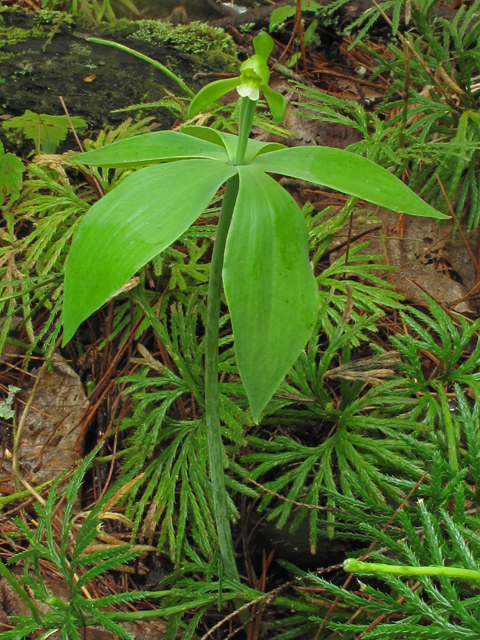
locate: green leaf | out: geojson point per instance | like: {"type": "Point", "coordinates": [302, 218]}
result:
{"type": "Point", "coordinates": [269, 284]}
{"type": "Point", "coordinates": [210, 93]}
{"type": "Point", "coordinates": [11, 169]}
{"type": "Point", "coordinates": [50, 129]}
{"type": "Point", "coordinates": [203, 133]}
{"type": "Point", "coordinates": [349, 173]}
{"type": "Point", "coordinates": [132, 224]}
{"type": "Point", "coordinates": [149, 148]}
{"type": "Point", "coordinates": [230, 141]}
{"type": "Point", "coordinates": [278, 16]}
{"type": "Point", "coordinates": [291, 62]}
{"type": "Point", "coordinates": [308, 35]}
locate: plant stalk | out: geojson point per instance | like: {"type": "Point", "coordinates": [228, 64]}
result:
{"type": "Point", "coordinates": [245, 121]}
{"type": "Point", "coordinates": [212, 396]}
{"type": "Point", "coordinates": [355, 566]}
{"type": "Point", "coordinates": [449, 427]}
{"type": "Point", "coordinates": [155, 63]}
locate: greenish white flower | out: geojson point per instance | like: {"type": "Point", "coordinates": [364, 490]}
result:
{"type": "Point", "coordinates": [253, 80]}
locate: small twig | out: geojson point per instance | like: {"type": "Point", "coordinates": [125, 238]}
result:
{"type": "Point", "coordinates": [467, 295]}
{"type": "Point", "coordinates": [349, 237]}
{"type": "Point", "coordinates": [34, 493]}
{"type": "Point", "coordinates": [112, 463]}
{"type": "Point", "coordinates": [254, 629]}
{"type": "Point", "coordinates": [458, 225]}
{"type": "Point", "coordinates": [97, 183]}
{"type": "Point", "coordinates": [104, 386]}
{"type": "Point", "coordinates": [382, 616]}
{"type": "Point", "coordinates": [71, 124]}
{"type": "Point", "coordinates": [39, 136]}
{"type": "Point", "coordinates": [298, 504]}
{"type": "Point", "coordinates": [298, 24]}
{"type": "Point", "coordinates": [291, 75]}
{"type": "Point", "coordinates": [353, 239]}
{"type": "Point", "coordinates": [276, 62]}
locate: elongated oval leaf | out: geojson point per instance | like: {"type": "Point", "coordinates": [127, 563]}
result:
{"type": "Point", "coordinates": [270, 288]}
{"type": "Point", "coordinates": [129, 226]}
{"type": "Point", "coordinates": [349, 173]}
{"type": "Point", "coordinates": [151, 148]}
{"type": "Point", "coordinates": [230, 141]}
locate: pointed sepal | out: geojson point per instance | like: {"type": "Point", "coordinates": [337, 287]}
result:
{"type": "Point", "coordinates": [263, 45]}
{"type": "Point", "coordinates": [210, 93]}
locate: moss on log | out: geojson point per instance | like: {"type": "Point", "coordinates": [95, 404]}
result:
{"type": "Point", "coordinates": [45, 54]}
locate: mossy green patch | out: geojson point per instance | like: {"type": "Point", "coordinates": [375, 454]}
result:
{"type": "Point", "coordinates": [79, 50]}
{"type": "Point", "coordinates": [34, 73]}
{"type": "Point", "coordinates": [15, 9]}
{"type": "Point", "coordinates": [52, 17]}
{"type": "Point", "coordinates": [196, 38]}
{"type": "Point", "coordinates": [37, 27]}
{"type": "Point", "coordinates": [12, 35]}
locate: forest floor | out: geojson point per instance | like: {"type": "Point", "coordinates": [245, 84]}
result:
{"type": "Point", "coordinates": [119, 380]}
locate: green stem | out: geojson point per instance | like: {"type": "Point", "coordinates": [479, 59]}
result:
{"type": "Point", "coordinates": [215, 445]}
{"type": "Point", "coordinates": [151, 614]}
{"type": "Point", "coordinates": [449, 428]}
{"type": "Point", "coordinates": [212, 395]}
{"type": "Point", "coordinates": [19, 495]}
{"type": "Point", "coordinates": [245, 121]}
{"type": "Point", "coordinates": [151, 61]}
{"type": "Point", "coordinates": [355, 566]}
{"type": "Point", "coordinates": [406, 91]}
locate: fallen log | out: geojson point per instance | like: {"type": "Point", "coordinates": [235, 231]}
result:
{"type": "Point", "coordinates": [44, 55]}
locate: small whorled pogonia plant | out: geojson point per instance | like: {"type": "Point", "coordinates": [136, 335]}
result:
{"type": "Point", "coordinates": [260, 252]}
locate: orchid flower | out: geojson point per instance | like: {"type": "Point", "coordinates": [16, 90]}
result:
{"type": "Point", "coordinates": [253, 80]}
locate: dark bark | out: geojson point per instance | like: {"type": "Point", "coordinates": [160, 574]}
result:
{"type": "Point", "coordinates": [351, 12]}
{"type": "Point", "coordinates": [259, 16]}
